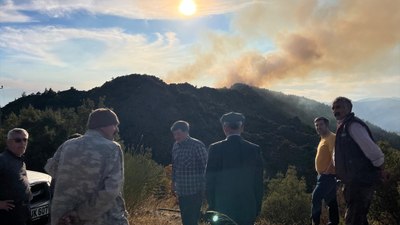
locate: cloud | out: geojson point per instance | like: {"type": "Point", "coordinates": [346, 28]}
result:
{"type": "Point", "coordinates": [326, 37]}
{"type": "Point", "coordinates": [10, 14]}
{"type": "Point", "coordinates": [38, 57]}
{"type": "Point", "coordinates": [149, 9]}
{"type": "Point", "coordinates": [56, 45]}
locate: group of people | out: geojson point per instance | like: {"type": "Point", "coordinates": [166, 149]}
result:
{"type": "Point", "coordinates": [230, 173]}
{"type": "Point", "coordinates": [351, 157]}
{"type": "Point", "coordinates": [88, 172]}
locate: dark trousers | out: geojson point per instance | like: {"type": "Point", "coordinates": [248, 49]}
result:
{"type": "Point", "coordinates": [358, 200]}
{"type": "Point", "coordinates": [190, 208]}
{"type": "Point", "coordinates": [325, 190]}
{"type": "Point", "coordinates": [18, 216]}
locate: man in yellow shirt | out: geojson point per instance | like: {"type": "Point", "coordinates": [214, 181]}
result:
{"type": "Point", "coordinates": [326, 180]}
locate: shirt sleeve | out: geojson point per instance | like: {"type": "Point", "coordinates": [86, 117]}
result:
{"type": "Point", "coordinates": [173, 165]}
{"type": "Point", "coordinates": [201, 154]}
{"type": "Point", "coordinates": [367, 145]}
{"type": "Point", "coordinates": [104, 199]}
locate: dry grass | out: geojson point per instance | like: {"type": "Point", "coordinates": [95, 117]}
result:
{"type": "Point", "coordinates": [149, 214]}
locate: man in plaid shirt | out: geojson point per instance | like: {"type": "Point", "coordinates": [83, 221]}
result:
{"type": "Point", "coordinates": [189, 159]}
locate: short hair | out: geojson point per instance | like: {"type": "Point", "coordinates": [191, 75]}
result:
{"type": "Point", "coordinates": [102, 117]}
{"type": "Point", "coordinates": [344, 100]}
{"type": "Point", "coordinates": [233, 125]}
{"type": "Point", "coordinates": [16, 130]}
{"type": "Point", "coordinates": [180, 125]}
{"type": "Point", "coordinates": [326, 121]}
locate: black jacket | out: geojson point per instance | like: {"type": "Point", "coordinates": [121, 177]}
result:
{"type": "Point", "coordinates": [235, 179]}
{"type": "Point", "coordinates": [352, 166]}
{"type": "Point", "coordinates": [14, 183]}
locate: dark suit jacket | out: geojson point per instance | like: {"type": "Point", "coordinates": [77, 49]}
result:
{"type": "Point", "coordinates": [235, 179]}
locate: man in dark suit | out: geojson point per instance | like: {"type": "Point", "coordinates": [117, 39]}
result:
{"type": "Point", "coordinates": [234, 173]}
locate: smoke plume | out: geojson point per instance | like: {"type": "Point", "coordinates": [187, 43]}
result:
{"type": "Point", "coordinates": [336, 37]}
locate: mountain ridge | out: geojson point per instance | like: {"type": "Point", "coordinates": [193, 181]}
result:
{"type": "Point", "coordinates": [380, 111]}
{"type": "Point", "coordinates": [147, 107]}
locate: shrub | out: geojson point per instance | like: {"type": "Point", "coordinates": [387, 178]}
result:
{"type": "Point", "coordinates": [385, 208]}
{"type": "Point", "coordinates": [287, 202]}
{"type": "Point", "coordinates": [143, 178]}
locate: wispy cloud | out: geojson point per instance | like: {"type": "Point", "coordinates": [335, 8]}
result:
{"type": "Point", "coordinates": [42, 57]}
{"type": "Point", "coordinates": [50, 45]}
{"type": "Point", "coordinates": [149, 9]}
{"type": "Point", "coordinates": [9, 13]}
{"type": "Point", "coordinates": [346, 46]}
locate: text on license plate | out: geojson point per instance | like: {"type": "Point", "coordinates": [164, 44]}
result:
{"type": "Point", "coordinates": [39, 211]}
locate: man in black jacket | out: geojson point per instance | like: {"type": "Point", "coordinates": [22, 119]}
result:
{"type": "Point", "coordinates": [234, 173]}
{"type": "Point", "coordinates": [15, 192]}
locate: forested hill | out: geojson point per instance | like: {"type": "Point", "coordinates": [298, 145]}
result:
{"type": "Point", "coordinates": [281, 124]}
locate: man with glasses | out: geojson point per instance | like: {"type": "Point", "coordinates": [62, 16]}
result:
{"type": "Point", "coordinates": [90, 174]}
{"type": "Point", "coordinates": [15, 192]}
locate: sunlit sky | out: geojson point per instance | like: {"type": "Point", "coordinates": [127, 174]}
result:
{"type": "Point", "coordinates": [313, 48]}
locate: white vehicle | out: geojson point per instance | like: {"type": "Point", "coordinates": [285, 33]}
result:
{"type": "Point", "coordinates": [40, 204]}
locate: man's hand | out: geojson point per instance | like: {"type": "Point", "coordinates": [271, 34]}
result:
{"type": "Point", "coordinates": [7, 205]}
{"type": "Point", "coordinates": [69, 218]}
{"type": "Point", "coordinates": [384, 176]}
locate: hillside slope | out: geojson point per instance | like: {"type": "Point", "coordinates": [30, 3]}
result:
{"type": "Point", "coordinates": [281, 124]}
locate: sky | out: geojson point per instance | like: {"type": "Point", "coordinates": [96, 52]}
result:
{"type": "Point", "coordinates": [318, 49]}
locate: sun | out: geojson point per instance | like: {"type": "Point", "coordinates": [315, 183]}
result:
{"type": "Point", "coordinates": [187, 7]}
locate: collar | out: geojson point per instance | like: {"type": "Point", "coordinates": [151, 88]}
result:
{"type": "Point", "coordinates": [233, 136]}
{"type": "Point", "coordinates": [184, 141]}
{"type": "Point", "coordinates": [328, 135]}
{"type": "Point", "coordinates": [346, 119]}
{"type": "Point", "coordinates": [13, 155]}
{"type": "Point", "coordinates": [94, 133]}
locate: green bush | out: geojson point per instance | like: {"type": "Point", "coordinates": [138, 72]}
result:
{"type": "Point", "coordinates": [385, 208]}
{"type": "Point", "coordinates": [143, 178]}
{"type": "Point", "coordinates": [287, 202]}
{"type": "Point", "coordinates": [47, 129]}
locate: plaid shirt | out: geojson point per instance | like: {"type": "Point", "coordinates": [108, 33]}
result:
{"type": "Point", "coordinates": [189, 159]}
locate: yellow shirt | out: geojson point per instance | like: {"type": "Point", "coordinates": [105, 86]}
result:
{"type": "Point", "coordinates": [323, 159]}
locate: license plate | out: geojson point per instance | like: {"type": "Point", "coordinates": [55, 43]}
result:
{"type": "Point", "coordinates": [39, 211]}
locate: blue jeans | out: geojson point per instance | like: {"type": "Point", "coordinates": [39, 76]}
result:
{"type": "Point", "coordinates": [190, 208]}
{"type": "Point", "coordinates": [325, 190]}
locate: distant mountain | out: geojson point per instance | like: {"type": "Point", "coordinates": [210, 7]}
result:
{"type": "Point", "coordinates": [281, 124]}
{"type": "Point", "coordinates": [384, 112]}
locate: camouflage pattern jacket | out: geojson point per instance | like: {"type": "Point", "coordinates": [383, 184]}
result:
{"type": "Point", "coordinates": [89, 180]}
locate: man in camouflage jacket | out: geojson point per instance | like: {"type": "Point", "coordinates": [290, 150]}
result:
{"type": "Point", "coordinates": [90, 175]}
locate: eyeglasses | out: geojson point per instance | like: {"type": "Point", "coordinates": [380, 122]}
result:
{"type": "Point", "coordinates": [19, 140]}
